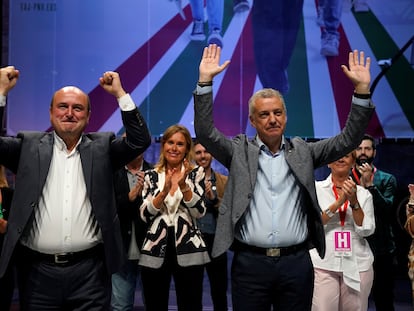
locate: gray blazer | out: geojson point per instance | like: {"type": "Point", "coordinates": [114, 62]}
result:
{"type": "Point", "coordinates": [241, 157]}
{"type": "Point", "coordinates": [29, 155]}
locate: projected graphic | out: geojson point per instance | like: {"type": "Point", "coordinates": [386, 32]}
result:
{"type": "Point", "coordinates": [58, 43]}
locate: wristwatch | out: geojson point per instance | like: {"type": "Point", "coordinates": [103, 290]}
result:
{"type": "Point", "coordinates": [329, 213]}
{"type": "Point", "coordinates": [355, 206]}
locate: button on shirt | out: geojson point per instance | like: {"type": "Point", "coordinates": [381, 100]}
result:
{"type": "Point", "coordinates": [64, 221]}
{"type": "Point", "coordinates": [275, 217]}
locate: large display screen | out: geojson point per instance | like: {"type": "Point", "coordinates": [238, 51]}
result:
{"type": "Point", "coordinates": [72, 42]}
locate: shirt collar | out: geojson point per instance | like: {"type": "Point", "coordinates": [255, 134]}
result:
{"type": "Point", "coordinates": [264, 148]}
{"type": "Point", "coordinates": [60, 144]}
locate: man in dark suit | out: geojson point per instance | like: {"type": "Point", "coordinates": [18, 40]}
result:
{"type": "Point", "coordinates": [63, 229]}
{"type": "Point", "coordinates": [128, 183]}
{"type": "Point", "coordinates": [269, 211]}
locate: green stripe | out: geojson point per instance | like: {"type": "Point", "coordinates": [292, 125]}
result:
{"type": "Point", "coordinates": [298, 103]}
{"type": "Point", "coordinates": [401, 75]}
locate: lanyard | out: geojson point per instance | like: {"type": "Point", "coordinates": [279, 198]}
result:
{"type": "Point", "coordinates": [343, 208]}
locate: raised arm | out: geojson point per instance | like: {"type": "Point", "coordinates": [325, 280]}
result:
{"type": "Point", "coordinates": [358, 71]}
{"type": "Point", "coordinates": [210, 64]}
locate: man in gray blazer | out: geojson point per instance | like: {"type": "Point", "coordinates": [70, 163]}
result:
{"type": "Point", "coordinates": [269, 213]}
{"type": "Point", "coordinates": [63, 232]}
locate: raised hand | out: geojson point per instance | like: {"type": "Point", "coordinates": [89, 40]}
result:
{"type": "Point", "coordinates": [349, 189]}
{"type": "Point", "coordinates": [410, 205]}
{"type": "Point", "coordinates": [111, 82]}
{"type": "Point", "coordinates": [366, 174]}
{"type": "Point", "coordinates": [411, 190]}
{"type": "Point", "coordinates": [209, 191]}
{"type": "Point", "coordinates": [136, 191]}
{"type": "Point", "coordinates": [358, 71]}
{"type": "Point", "coordinates": [8, 79]}
{"type": "Point", "coordinates": [183, 174]}
{"type": "Point", "coordinates": [210, 63]}
{"type": "Point", "coordinates": [168, 181]}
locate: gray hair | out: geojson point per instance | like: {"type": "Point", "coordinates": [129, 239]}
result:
{"type": "Point", "coordinates": [265, 93]}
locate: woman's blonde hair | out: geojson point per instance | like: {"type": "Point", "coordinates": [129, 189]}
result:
{"type": "Point", "coordinates": [170, 131]}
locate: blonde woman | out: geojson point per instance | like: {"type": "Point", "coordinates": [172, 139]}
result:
{"type": "Point", "coordinates": [173, 247]}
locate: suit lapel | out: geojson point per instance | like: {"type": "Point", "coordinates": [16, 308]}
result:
{"type": "Point", "coordinates": [85, 150]}
{"type": "Point", "coordinates": [45, 151]}
{"type": "Point", "coordinates": [253, 156]}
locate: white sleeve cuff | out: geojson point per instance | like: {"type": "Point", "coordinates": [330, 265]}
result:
{"type": "Point", "coordinates": [126, 103]}
{"type": "Point", "coordinates": [361, 102]}
{"type": "Point", "coordinates": [203, 90]}
{"type": "Point", "coordinates": [2, 100]}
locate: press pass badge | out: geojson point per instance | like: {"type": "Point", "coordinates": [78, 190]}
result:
{"type": "Point", "coordinates": [342, 240]}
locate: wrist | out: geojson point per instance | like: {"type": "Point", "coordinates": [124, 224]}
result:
{"type": "Point", "coordinates": [362, 88]}
{"type": "Point", "coordinates": [355, 206]}
{"type": "Point", "coordinates": [185, 189]}
{"type": "Point", "coordinates": [362, 95]}
{"type": "Point", "coordinates": [203, 83]}
{"type": "Point", "coordinates": [329, 213]}
{"type": "Point", "coordinates": [370, 187]}
{"type": "Point", "coordinates": [119, 94]}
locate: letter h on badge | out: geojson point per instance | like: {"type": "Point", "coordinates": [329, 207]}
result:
{"type": "Point", "coordinates": [342, 241]}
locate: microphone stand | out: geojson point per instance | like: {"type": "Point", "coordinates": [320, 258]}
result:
{"type": "Point", "coordinates": [387, 63]}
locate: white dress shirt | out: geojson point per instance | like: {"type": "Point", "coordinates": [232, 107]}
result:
{"type": "Point", "coordinates": [64, 221]}
{"type": "Point", "coordinates": [361, 257]}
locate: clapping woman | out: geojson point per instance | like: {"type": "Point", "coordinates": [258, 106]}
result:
{"type": "Point", "coordinates": [343, 278]}
{"type": "Point", "coordinates": [173, 247]}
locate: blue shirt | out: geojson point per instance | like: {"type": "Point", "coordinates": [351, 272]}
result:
{"type": "Point", "coordinates": [275, 217]}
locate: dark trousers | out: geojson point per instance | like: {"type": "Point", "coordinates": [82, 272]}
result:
{"type": "Point", "coordinates": [383, 286]}
{"type": "Point", "coordinates": [82, 286]}
{"type": "Point", "coordinates": [7, 288]}
{"type": "Point", "coordinates": [260, 282]}
{"type": "Point", "coordinates": [275, 28]}
{"type": "Point", "coordinates": [188, 283]}
{"type": "Point", "coordinates": [217, 275]}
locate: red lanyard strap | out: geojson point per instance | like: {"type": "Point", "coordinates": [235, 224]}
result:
{"type": "Point", "coordinates": [342, 208]}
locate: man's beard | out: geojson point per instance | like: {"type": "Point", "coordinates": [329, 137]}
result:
{"type": "Point", "coordinates": [359, 161]}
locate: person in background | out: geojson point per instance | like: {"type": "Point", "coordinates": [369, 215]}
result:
{"type": "Point", "coordinates": [269, 213]}
{"type": "Point", "coordinates": [128, 184]}
{"type": "Point", "coordinates": [343, 278]}
{"type": "Point", "coordinates": [173, 198]}
{"type": "Point", "coordinates": [409, 227]}
{"type": "Point", "coordinates": [214, 189]}
{"type": "Point", "coordinates": [215, 11]}
{"type": "Point", "coordinates": [382, 187]}
{"type": "Point", "coordinates": [275, 26]}
{"type": "Point", "coordinates": [63, 228]}
{"type": "Point", "coordinates": [329, 18]}
{"type": "Point", "coordinates": [7, 281]}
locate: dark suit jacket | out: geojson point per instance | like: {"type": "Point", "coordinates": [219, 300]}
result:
{"type": "Point", "coordinates": [128, 211]}
{"type": "Point", "coordinates": [240, 156]}
{"type": "Point", "coordinates": [7, 195]}
{"type": "Point", "coordinates": [29, 155]}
